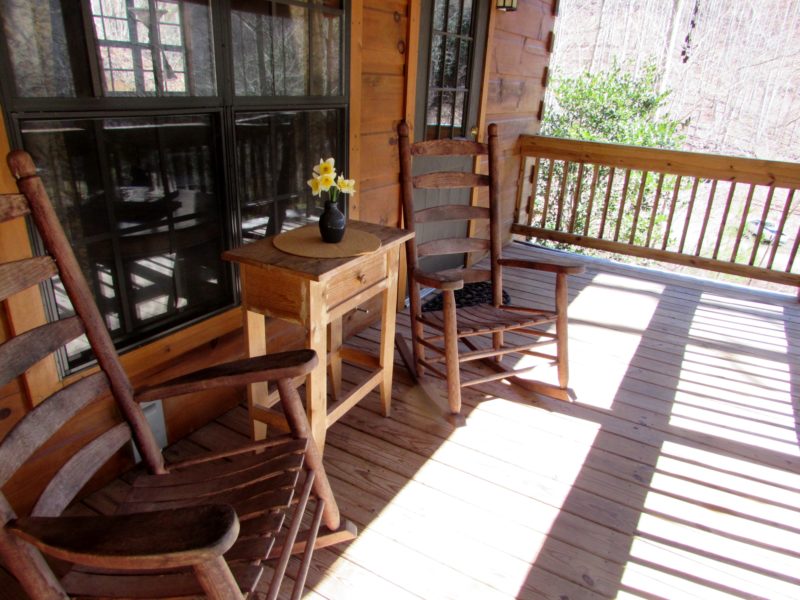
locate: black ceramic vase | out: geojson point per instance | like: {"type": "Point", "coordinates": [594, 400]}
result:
{"type": "Point", "coordinates": [331, 223]}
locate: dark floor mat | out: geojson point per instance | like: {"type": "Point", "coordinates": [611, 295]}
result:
{"type": "Point", "coordinates": [470, 295]}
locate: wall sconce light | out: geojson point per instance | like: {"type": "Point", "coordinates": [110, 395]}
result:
{"type": "Point", "coordinates": [507, 5]}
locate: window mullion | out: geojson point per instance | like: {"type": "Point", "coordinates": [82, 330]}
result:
{"type": "Point", "coordinates": [95, 68]}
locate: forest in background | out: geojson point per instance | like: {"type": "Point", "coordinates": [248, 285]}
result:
{"type": "Point", "coordinates": [732, 67]}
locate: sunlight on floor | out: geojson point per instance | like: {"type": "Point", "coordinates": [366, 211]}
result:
{"type": "Point", "coordinates": [716, 526]}
{"type": "Point", "coordinates": [743, 398]}
{"type": "Point", "coordinates": [605, 334]}
{"type": "Point", "coordinates": [495, 522]}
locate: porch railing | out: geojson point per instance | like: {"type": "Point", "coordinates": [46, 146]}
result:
{"type": "Point", "coordinates": [731, 215]}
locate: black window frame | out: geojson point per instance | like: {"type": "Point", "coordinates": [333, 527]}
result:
{"type": "Point", "coordinates": [224, 106]}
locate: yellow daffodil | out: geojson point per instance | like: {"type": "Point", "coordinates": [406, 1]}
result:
{"type": "Point", "coordinates": [326, 180]}
{"type": "Point", "coordinates": [346, 186]}
{"type": "Point", "coordinates": [314, 185]}
{"type": "Point", "coordinates": [325, 167]}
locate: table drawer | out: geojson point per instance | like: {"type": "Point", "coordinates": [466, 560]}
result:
{"type": "Point", "coordinates": [348, 283]}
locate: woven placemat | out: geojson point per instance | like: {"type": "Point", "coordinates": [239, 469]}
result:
{"type": "Point", "coordinates": [306, 241]}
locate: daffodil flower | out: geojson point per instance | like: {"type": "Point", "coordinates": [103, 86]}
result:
{"type": "Point", "coordinates": [346, 186]}
{"type": "Point", "coordinates": [326, 180]}
{"type": "Point", "coordinates": [315, 186]}
{"type": "Point", "coordinates": [325, 167]}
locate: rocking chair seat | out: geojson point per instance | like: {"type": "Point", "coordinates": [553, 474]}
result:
{"type": "Point", "coordinates": [259, 486]}
{"type": "Point", "coordinates": [486, 318]}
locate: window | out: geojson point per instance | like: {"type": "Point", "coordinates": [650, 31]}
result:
{"type": "Point", "coordinates": [449, 70]}
{"type": "Point", "coordinates": [163, 137]}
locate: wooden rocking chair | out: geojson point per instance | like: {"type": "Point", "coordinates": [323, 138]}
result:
{"type": "Point", "coordinates": [204, 526]}
{"type": "Point", "coordinates": [450, 337]}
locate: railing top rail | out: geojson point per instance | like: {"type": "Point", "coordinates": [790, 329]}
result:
{"type": "Point", "coordinates": [692, 164]}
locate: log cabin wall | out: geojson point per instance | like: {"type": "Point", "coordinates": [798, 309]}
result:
{"type": "Point", "coordinates": [515, 79]}
{"type": "Point", "coordinates": [382, 79]}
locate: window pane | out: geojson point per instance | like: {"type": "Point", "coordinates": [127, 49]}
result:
{"type": "Point", "coordinates": [41, 56]}
{"type": "Point", "coordinates": [276, 153]}
{"type": "Point", "coordinates": [177, 33]}
{"type": "Point", "coordinates": [139, 201]}
{"type": "Point", "coordinates": [286, 50]}
{"type": "Point", "coordinates": [49, 57]}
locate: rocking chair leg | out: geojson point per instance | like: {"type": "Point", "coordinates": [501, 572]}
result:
{"type": "Point", "coordinates": [497, 343]}
{"type": "Point", "coordinates": [217, 580]}
{"type": "Point", "coordinates": [562, 300]}
{"type": "Point", "coordinates": [451, 351]}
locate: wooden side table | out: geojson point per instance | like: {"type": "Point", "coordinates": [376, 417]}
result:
{"type": "Point", "coordinates": [317, 293]}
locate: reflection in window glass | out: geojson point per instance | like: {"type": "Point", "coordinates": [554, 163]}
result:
{"type": "Point", "coordinates": [143, 47]}
{"type": "Point", "coordinates": [131, 34]}
{"type": "Point", "coordinates": [286, 50]}
{"type": "Point", "coordinates": [275, 154]}
{"type": "Point", "coordinates": [139, 201]}
{"type": "Point", "coordinates": [37, 45]}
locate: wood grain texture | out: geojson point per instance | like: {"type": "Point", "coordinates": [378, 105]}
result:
{"type": "Point", "coordinates": [23, 351]}
{"type": "Point", "coordinates": [449, 180]}
{"type": "Point", "coordinates": [687, 164]}
{"type": "Point", "coordinates": [78, 470]}
{"type": "Point", "coordinates": [22, 274]}
{"type": "Point", "coordinates": [43, 421]}
{"type": "Point", "coordinates": [175, 537]}
{"type": "Point", "coordinates": [12, 206]}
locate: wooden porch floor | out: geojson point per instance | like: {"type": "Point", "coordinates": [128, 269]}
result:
{"type": "Point", "coordinates": [674, 474]}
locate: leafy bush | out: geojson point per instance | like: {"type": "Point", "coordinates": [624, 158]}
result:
{"type": "Point", "coordinates": [608, 106]}
{"type": "Point", "coordinates": [612, 106]}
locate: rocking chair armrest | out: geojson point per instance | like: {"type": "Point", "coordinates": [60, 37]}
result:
{"type": "Point", "coordinates": [541, 266]}
{"type": "Point", "coordinates": [440, 281]}
{"type": "Point", "coordinates": [152, 540]}
{"type": "Point", "coordinates": [271, 367]}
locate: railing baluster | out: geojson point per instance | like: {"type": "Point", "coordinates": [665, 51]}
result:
{"type": "Point", "coordinates": [576, 199]}
{"type": "Point", "coordinates": [689, 212]}
{"type": "Point", "coordinates": [562, 195]}
{"type": "Point", "coordinates": [606, 202]}
{"type": "Point", "coordinates": [595, 173]}
{"type": "Point", "coordinates": [622, 203]}
{"type": "Point", "coordinates": [764, 215]}
{"type": "Point", "coordinates": [654, 210]}
{"type": "Point", "coordinates": [546, 206]}
{"type": "Point", "coordinates": [638, 206]}
{"type": "Point", "coordinates": [704, 226]}
{"type": "Point", "coordinates": [793, 253]}
{"type": "Point", "coordinates": [534, 189]}
{"type": "Point", "coordinates": [724, 221]}
{"type": "Point", "coordinates": [776, 241]}
{"type": "Point", "coordinates": [743, 222]}
{"type": "Point", "coordinates": [675, 193]}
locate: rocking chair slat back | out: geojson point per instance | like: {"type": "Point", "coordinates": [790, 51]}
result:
{"type": "Point", "coordinates": [45, 420]}
{"type": "Point", "coordinates": [78, 470]}
{"type": "Point", "coordinates": [23, 351]}
{"type": "Point", "coordinates": [12, 206]}
{"type": "Point", "coordinates": [22, 274]}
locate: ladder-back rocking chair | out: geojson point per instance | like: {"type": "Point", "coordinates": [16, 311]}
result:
{"type": "Point", "coordinates": [204, 526]}
{"type": "Point", "coordinates": [450, 337]}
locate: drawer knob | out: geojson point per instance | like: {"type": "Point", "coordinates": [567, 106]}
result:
{"type": "Point", "coordinates": [362, 277]}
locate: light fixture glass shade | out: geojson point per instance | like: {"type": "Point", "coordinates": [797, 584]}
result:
{"type": "Point", "coordinates": [508, 5]}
